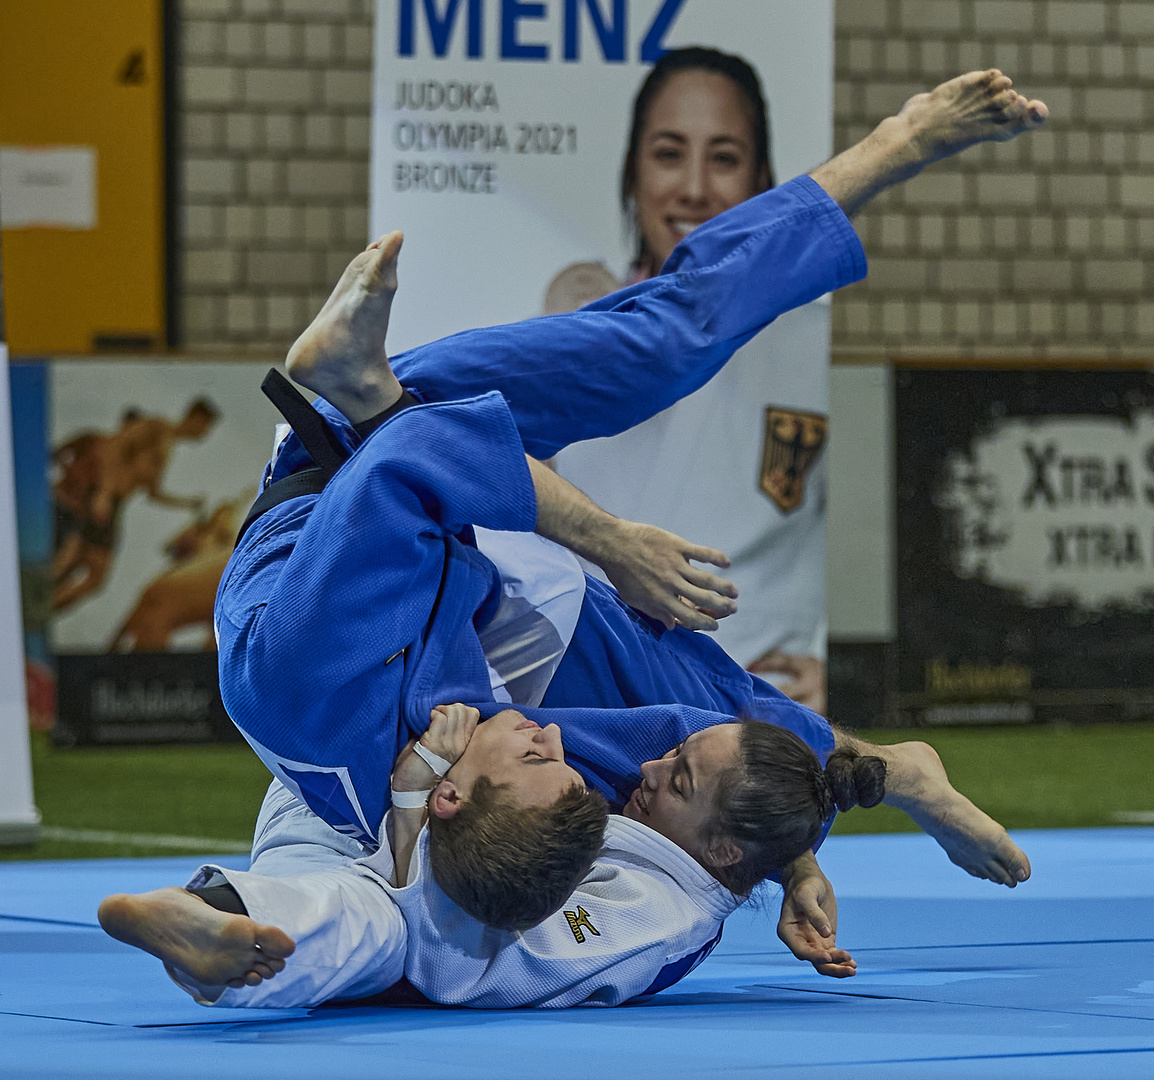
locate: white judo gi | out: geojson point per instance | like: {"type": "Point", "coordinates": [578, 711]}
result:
{"type": "Point", "coordinates": [644, 916]}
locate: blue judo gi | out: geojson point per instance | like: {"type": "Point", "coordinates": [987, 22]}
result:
{"type": "Point", "coordinates": [343, 618]}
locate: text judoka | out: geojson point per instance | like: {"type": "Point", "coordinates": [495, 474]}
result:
{"type": "Point", "coordinates": [454, 96]}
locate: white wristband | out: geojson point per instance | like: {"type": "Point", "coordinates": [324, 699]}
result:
{"type": "Point", "coordinates": [410, 800]}
{"type": "Point", "coordinates": [435, 762]}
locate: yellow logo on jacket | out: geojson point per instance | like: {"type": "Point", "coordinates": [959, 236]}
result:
{"type": "Point", "coordinates": [579, 923]}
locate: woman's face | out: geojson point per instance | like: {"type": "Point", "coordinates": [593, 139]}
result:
{"type": "Point", "coordinates": [678, 792]}
{"type": "Point", "coordinates": [695, 158]}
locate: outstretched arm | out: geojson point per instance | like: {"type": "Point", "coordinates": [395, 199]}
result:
{"type": "Point", "coordinates": [808, 923]}
{"type": "Point", "coordinates": [916, 782]}
{"type": "Point", "coordinates": [176, 502]}
{"type": "Point", "coordinates": [649, 567]}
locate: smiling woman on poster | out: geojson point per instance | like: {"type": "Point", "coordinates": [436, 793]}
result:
{"type": "Point", "coordinates": [737, 465]}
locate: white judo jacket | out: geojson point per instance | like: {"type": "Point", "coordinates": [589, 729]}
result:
{"type": "Point", "coordinates": [644, 916]}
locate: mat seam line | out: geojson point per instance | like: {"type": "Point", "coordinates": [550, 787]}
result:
{"type": "Point", "coordinates": [963, 1004]}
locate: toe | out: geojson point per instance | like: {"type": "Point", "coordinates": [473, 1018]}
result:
{"type": "Point", "coordinates": [998, 874]}
{"type": "Point", "coordinates": [1016, 864]}
{"type": "Point", "coordinates": [274, 943]}
{"type": "Point", "coordinates": [390, 246]}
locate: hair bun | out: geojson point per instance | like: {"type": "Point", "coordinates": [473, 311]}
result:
{"type": "Point", "coordinates": [855, 780]}
{"type": "Point", "coordinates": [826, 806]}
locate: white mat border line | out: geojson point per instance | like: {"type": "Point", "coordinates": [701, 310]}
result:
{"type": "Point", "coordinates": [179, 843]}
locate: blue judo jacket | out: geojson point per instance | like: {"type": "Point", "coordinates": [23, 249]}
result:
{"type": "Point", "coordinates": [343, 618]}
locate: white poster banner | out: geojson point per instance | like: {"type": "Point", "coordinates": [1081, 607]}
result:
{"type": "Point", "coordinates": [500, 131]}
{"type": "Point", "coordinates": [499, 128]}
{"type": "Point", "coordinates": [19, 819]}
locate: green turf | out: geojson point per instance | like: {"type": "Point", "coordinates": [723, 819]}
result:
{"type": "Point", "coordinates": [199, 791]}
{"type": "Point", "coordinates": [1029, 777]}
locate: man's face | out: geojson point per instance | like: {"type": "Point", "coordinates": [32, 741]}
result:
{"type": "Point", "coordinates": [678, 792]}
{"type": "Point", "coordinates": [510, 749]}
{"type": "Point", "coordinates": [695, 158]}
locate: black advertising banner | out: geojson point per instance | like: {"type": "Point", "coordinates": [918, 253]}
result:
{"type": "Point", "coordinates": [114, 699]}
{"type": "Point", "coordinates": [1025, 545]}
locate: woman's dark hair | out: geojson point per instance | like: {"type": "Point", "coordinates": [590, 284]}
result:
{"type": "Point", "coordinates": [695, 58]}
{"type": "Point", "coordinates": [775, 801]}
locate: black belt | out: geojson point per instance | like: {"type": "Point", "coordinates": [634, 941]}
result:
{"type": "Point", "coordinates": [318, 439]}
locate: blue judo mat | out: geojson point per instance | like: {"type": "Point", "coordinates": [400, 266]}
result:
{"type": "Point", "coordinates": [957, 979]}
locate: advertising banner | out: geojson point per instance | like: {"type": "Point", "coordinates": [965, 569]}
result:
{"type": "Point", "coordinates": [1025, 545]}
{"type": "Point", "coordinates": [500, 138]}
{"type": "Point", "coordinates": [19, 819]}
{"type": "Point", "coordinates": [499, 128]}
{"type": "Point", "coordinates": [154, 466]}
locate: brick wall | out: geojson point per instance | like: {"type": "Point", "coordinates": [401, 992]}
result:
{"type": "Point", "coordinates": [276, 103]}
{"type": "Point", "coordinates": [1042, 246]}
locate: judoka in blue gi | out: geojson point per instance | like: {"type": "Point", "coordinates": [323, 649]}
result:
{"type": "Point", "coordinates": [328, 688]}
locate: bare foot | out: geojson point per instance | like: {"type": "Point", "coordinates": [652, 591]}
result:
{"type": "Point", "coordinates": [214, 947]}
{"type": "Point", "coordinates": [979, 107]}
{"type": "Point", "coordinates": [341, 354]}
{"type": "Point", "coordinates": [917, 783]}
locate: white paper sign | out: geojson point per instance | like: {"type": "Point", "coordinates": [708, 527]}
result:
{"type": "Point", "coordinates": [19, 819]}
{"type": "Point", "coordinates": [48, 187]}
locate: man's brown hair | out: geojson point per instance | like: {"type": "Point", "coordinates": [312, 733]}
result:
{"type": "Point", "coordinates": [510, 865]}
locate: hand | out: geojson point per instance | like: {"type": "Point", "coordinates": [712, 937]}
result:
{"type": "Point", "coordinates": [807, 677]}
{"type": "Point", "coordinates": [449, 731]}
{"type": "Point", "coordinates": [808, 923]}
{"type": "Point", "coordinates": [650, 567]}
{"type": "Point", "coordinates": [652, 572]}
